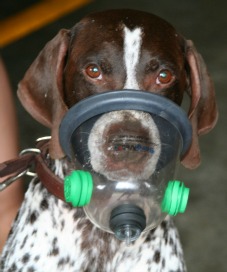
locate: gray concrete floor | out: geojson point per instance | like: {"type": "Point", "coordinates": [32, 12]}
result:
{"type": "Point", "coordinates": [203, 227]}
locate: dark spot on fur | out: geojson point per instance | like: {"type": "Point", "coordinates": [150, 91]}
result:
{"type": "Point", "coordinates": [63, 261]}
{"type": "Point", "coordinates": [6, 253]}
{"type": "Point", "coordinates": [54, 252]}
{"type": "Point", "coordinates": [24, 241]}
{"type": "Point", "coordinates": [165, 231]}
{"type": "Point", "coordinates": [11, 231]}
{"type": "Point", "coordinates": [34, 232]}
{"type": "Point", "coordinates": [33, 217]}
{"type": "Point", "coordinates": [163, 263]}
{"type": "Point", "coordinates": [79, 213]}
{"type": "Point", "coordinates": [17, 215]}
{"type": "Point", "coordinates": [55, 240]}
{"type": "Point", "coordinates": [25, 258]}
{"type": "Point", "coordinates": [150, 236]}
{"type": "Point", "coordinates": [36, 258]}
{"type": "Point", "coordinates": [72, 263]}
{"type": "Point", "coordinates": [149, 262]}
{"type": "Point", "coordinates": [67, 206]}
{"type": "Point", "coordinates": [148, 239]}
{"type": "Point", "coordinates": [157, 256]}
{"type": "Point", "coordinates": [41, 187]}
{"type": "Point", "coordinates": [55, 249]}
{"type": "Point", "coordinates": [31, 269]}
{"type": "Point", "coordinates": [175, 252]}
{"type": "Point", "coordinates": [164, 225]}
{"type": "Point", "coordinates": [62, 224]}
{"type": "Point", "coordinates": [44, 205]}
{"type": "Point", "coordinates": [13, 268]}
{"type": "Point", "coordinates": [171, 241]}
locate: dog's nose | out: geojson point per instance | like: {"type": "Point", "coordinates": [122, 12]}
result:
{"type": "Point", "coordinates": [128, 145]}
{"type": "Point", "coordinates": [127, 139]}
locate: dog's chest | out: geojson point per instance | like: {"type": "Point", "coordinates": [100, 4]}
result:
{"type": "Point", "coordinates": [49, 235]}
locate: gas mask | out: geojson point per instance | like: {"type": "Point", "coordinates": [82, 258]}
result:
{"type": "Point", "coordinates": [125, 145]}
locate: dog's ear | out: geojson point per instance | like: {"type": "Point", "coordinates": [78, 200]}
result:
{"type": "Point", "coordinates": [203, 110]}
{"type": "Point", "coordinates": [41, 89]}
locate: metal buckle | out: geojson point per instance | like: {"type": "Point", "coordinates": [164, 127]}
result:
{"type": "Point", "coordinates": [26, 151]}
{"type": "Point", "coordinates": [44, 138]}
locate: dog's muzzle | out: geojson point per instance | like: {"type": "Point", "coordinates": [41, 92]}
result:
{"type": "Point", "coordinates": [125, 145]}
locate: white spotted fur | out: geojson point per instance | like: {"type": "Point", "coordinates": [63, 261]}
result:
{"type": "Point", "coordinates": [53, 242]}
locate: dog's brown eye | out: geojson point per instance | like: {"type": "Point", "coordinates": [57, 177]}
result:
{"type": "Point", "coordinates": [164, 77]}
{"type": "Point", "coordinates": [93, 71]}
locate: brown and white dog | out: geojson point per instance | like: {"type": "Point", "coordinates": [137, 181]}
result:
{"type": "Point", "coordinates": [116, 49]}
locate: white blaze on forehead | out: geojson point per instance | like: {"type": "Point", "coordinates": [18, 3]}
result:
{"type": "Point", "coordinates": [132, 48]}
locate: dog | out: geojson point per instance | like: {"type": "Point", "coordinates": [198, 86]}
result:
{"type": "Point", "coordinates": [109, 50]}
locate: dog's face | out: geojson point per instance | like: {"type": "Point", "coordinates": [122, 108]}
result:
{"type": "Point", "coordinates": [124, 50]}
{"type": "Point", "coordinates": [118, 49]}
{"type": "Point", "coordinates": [121, 50]}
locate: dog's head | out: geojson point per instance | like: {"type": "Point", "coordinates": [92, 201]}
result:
{"type": "Point", "coordinates": [118, 49]}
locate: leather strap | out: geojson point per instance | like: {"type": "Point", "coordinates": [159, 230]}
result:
{"type": "Point", "coordinates": [17, 165]}
{"type": "Point", "coordinates": [52, 183]}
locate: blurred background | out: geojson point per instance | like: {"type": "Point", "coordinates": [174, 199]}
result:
{"type": "Point", "coordinates": [26, 26]}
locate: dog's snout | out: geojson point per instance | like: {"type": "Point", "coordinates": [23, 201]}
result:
{"type": "Point", "coordinates": [123, 143]}
{"type": "Point", "coordinates": [127, 143]}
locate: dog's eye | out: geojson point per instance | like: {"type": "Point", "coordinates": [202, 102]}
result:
{"type": "Point", "coordinates": [93, 71]}
{"type": "Point", "coordinates": [164, 77]}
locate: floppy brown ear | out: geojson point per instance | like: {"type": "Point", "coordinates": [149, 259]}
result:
{"type": "Point", "coordinates": [41, 89]}
{"type": "Point", "coordinates": [203, 110]}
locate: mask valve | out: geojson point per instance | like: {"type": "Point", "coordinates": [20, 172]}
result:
{"type": "Point", "coordinates": [127, 221]}
{"type": "Point", "coordinates": [78, 188]}
{"type": "Point", "coordinates": [176, 198]}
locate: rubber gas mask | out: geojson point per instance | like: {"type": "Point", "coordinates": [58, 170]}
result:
{"type": "Point", "coordinates": [126, 145]}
